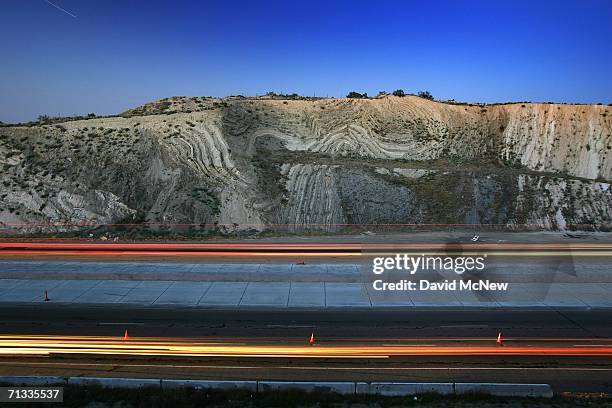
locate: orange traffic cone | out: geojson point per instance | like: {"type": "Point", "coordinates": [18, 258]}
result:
{"type": "Point", "coordinates": [500, 341]}
{"type": "Point", "coordinates": [46, 296]}
{"type": "Point", "coordinates": [312, 340]}
{"type": "Point", "coordinates": [125, 335]}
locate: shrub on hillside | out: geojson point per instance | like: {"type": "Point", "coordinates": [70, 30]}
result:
{"type": "Point", "coordinates": [399, 92]}
{"type": "Point", "coordinates": [356, 95]}
{"type": "Point", "coordinates": [426, 95]}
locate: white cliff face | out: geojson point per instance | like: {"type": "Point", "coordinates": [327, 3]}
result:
{"type": "Point", "coordinates": [553, 203]}
{"type": "Point", "coordinates": [238, 212]}
{"type": "Point", "coordinates": [245, 163]}
{"type": "Point", "coordinates": [574, 139]}
{"type": "Point", "coordinates": [203, 149]}
{"type": "Point", "coordinates": [33, 210]}
{"type": "Point", "coordinates": [341, 128]}
{"type": "Point", "coordinates": [200, 147]}
{"type": "Point", "coordinates": [313, 201]}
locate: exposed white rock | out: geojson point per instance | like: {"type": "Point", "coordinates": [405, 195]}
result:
{"type": "Point", "coordinates": [313, 201]}
{"type": "Point", "coordinates": [204, 166]}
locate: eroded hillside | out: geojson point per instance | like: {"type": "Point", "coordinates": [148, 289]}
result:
{"type": "Point", "coordinates": [249, 163]}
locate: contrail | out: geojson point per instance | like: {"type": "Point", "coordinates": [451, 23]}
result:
{"type": "Point", "coordinates": [60, 9]}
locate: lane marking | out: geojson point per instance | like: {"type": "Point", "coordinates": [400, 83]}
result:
{"type": "Point", "coordinates": [590, 345]}
{"type": "Point", "coordinates": [411, 345]}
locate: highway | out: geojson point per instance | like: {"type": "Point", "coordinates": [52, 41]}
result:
{"type": "Point", "coordinates": [241, 251]}
{"type": "Point", "coordinates": [372, 348]}
{"type": "Point", "coordinates": [571, 350]}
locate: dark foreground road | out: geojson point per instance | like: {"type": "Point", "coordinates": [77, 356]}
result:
{"type": "Point", "coordinates": [569, 374]}
{"type": "Point", "coordinates": [345, 324]}
{"type": "Point", "coordinates": [570, 350]}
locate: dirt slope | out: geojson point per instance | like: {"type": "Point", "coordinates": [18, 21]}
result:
{"type": "Point", "coordinates": [243, 163]}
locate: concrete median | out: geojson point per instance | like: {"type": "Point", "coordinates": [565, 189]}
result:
{"type": "Point", "coordinates": [318, 386]}
{"type": "Point", "coordinates": [115, 382]}
{"type": "Point", "coordinates": [34, 381]}
{"type": "Point", "coordinates": [203, 384]}
{"type": "Point", "coordinates": [399, 389]}
{"type": "Point", "coordinates": [505, 390]}
{"type": "Point", "coordinates": [387, 389]}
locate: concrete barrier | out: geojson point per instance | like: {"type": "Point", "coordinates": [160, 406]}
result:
{"type": "Point", "coordinates": [505, 390]}
{"type": "Point", "coordinates": [34, 381]}
{"type": "Point", "coordinates": [345, 387]}
{"type": "Point", "coordinates": [115, 382]}
{"type": "Point", "coordinates": [318, 386]}
{"type": "Point", "coordinates": [390, 389]}
{"type": "Point", "coordinates": [219, 385]}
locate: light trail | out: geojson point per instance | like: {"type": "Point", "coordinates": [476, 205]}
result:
{"type": "Point", "coordinates": [115, 365]}
{"type": "Point", "coordinates": [194, 254]}
{"type": "Point", "coordinates": [173, 246]}
{"type": "Point", "coordinates": [71, 345]}
{"type": "Point", "coordinates": [234, 254]}
{"type": "Point", "coordinates": [264, 250]}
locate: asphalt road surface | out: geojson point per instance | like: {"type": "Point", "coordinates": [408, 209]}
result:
{"type": "Point", "coordinates": [571, 350]}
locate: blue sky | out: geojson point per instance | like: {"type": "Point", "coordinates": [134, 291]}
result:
{"type": "Point", "coordinates": [119, 54]}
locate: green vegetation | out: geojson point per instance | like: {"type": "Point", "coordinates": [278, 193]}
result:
{"type": "Point", "coordinates": [154, 108]}
{"type": "Point", "coordinates": [425, 95]}
{"type": "Point", "coordinates": [356, 95]}
{"type": "Point", "coordinates": [205, 196]}
{"type": "Point", "coordinates": [399, 92]}
{"type": "Point", "coordinates": [273, 94]}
